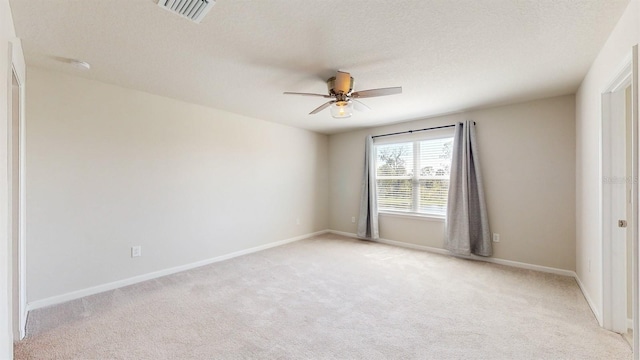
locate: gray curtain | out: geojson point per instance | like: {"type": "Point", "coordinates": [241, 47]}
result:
{"type": "Point", "coordinates": [467, 222]}
{"type": "Point", "coordinates": [368, 219]}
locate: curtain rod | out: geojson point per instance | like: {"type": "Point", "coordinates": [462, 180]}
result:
{"type": "Point", "coordinates": [412, 131]}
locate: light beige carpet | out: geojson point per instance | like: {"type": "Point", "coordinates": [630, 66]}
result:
{"type": "Point", "coordinates": [330, 298]}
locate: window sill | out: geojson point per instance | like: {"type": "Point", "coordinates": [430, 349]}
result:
{"type": "Point", "coordinates": [412, 216]}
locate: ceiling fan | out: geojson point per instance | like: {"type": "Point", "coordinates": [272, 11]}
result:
{"type": "Point", "coordinates": [343, 100]}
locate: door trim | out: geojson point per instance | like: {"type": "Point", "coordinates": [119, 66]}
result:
{"type": "Point", "coordinates": [635, 166]}
{"type": "Point", "coordinates": [18, 68]}
{"type": "Point", "coordinates": [614, 272]}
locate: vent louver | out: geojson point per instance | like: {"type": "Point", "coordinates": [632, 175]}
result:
{"type": "Point", "coordinates": [191, 9]}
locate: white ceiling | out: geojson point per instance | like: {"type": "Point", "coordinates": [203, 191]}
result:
{"type": "Point", "coordinates": [448, 55]}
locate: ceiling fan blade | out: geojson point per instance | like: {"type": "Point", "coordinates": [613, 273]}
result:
{"type": "Point", "coordinates": [306, 94]}
{"type": "Point", "coordinates": [377, 92]}
{"type": "Point", "coordinates": [322, 107]}
{"type": "Point", "coordinates": [360, 106]}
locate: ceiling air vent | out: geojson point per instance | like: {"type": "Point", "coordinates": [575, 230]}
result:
{"type": "Point", "coordinates": [191, 9]}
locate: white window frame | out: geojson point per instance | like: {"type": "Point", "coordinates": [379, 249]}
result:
{"type": "Point", "coordinates": [415, 139]}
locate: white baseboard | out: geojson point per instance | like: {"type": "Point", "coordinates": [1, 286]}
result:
{"type": "Point", "coordinates": [156, 274]}
{"type": "Point", "coordinates": [592, 305]}
{"type": "Point", "coordinates": [136, 279]}
{"type": "Point", "coordinates": [516, 264]}
{"type": "Point", "coordinates": [511, 263]}
{"type": "Point", "coordinates": [23, 322]}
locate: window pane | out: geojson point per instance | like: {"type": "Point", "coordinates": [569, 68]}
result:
{"type": "Point", "coordinates": [435, 168]}
{"type": "Point", "coordinates": [395, 160]}
{"type": "Point", "coordinates": [433, 196]}
{"type": "Point", "coordinates": [414, 182]}
{"type": "Point", "coordinates": [394, 194]}
{"type": "Point", "coordinates": [435, 158]}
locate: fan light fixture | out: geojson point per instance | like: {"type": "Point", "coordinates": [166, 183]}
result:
{"type": "Point", "coordinates": [342, 100]}
{"type": "Point", "coordinates": [341, 109]}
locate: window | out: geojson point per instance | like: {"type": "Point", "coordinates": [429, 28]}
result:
{"type": "Point", "coordinates": [413, 176]}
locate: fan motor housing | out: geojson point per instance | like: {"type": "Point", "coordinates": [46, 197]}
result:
{"type": "Point", "coordinates": [340, 86]}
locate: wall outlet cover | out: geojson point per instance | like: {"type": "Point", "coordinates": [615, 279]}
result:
{"type": "Point", "coordinates": [136, 251]}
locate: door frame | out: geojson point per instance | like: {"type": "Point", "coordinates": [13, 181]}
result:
{"type": "Point", "coordinates": [18, 69]}
{"type": "Point", "coordinates": [635, 169]}
{"type": "Point", "coordinates": [614, 269]}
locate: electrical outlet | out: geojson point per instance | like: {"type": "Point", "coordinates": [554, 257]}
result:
{"type": "Point", "coordinates": [353, 219]}
{"type": "Point", "coordinates": [136, 251]}
{"type": "Point", "coordinates": [496, 237]}
{"type": "Point", "coordinates": [297, 221]}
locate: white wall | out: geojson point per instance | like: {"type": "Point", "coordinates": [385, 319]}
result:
{"type": "Point", "coordinates": [110, 168]}
{"type": "Point", "coordinates": [527, 153]}
{"type": "Point", "coordinates": [610, 60]}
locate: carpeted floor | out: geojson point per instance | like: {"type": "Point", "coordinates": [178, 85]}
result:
{"type": "Point", "coordinates": [330, 298]}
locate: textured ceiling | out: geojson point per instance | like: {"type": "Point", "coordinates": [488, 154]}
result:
{"type": "Point", "coordinates": [448, 55]}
